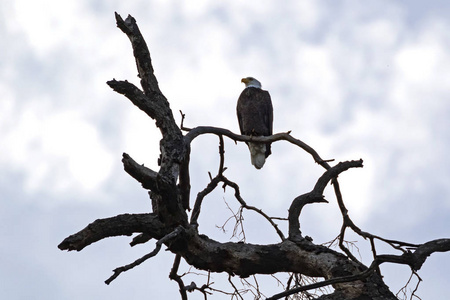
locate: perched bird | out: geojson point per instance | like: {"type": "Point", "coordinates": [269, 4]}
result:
{"type": "Point", "coordinates": [255, 115]}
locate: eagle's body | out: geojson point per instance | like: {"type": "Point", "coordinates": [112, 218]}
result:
{"type": "Point", "coordinates": [255, 115]}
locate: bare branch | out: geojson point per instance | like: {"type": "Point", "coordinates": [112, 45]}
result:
{"type": "Point", "coordinates": [315, 196]}
{"type": "Point", "coordinates": [200, 196]}
{"type": "Point", "coordinates": [144, 175]}
{"type": "Point", "coordinates": [141, 53]}
{"type": "Point", "coordinates": [221, 178]}
{"type": "Point", "coordinates": [237, 194]}
{"type": "Point", "coordinates": [254, 288]}
{"type": "Point", "coordinates": [343, 247]}
{"type": "Point", "coordinates": [238, 218]}
{"type": "Point", "coordinates": [140, 239]}
{"type": "Point", "coordinates": [153, 109]}
{"type": "Point", "coordinates": [222, 156]}
{"type": "Point", "coordinates": [184, 182]}
{"type": "Point", "coordinates": [211, 186]}
{"type": "Point", "coordinates": [193, 133]}
{"type": "Point", "coordinates": [279, 218]}
{"type": "Point", "coordinates": [139, 261]}
{"type": "Point", "coordinates": [332, 281]}
{"type": "Point", "coordinates": [154, 103]}
{"type": "Point", "coordinates": [403, 290]}
{"type": "Point", "coordinates": [174, 276]}
{"type": "Point", "coordinates": [425, 250]}
{"type": "Point", "coordinates": [236, 291]}
{"type": "Point", "coordinates": [411, 259]}
{"type": "Point", "coordinates": [125, 224]}
{"type": "Point", "coordinates": [183, 116]}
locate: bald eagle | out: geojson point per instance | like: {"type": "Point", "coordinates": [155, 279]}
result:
{"type": "Point", "coordinates": [255, 115]}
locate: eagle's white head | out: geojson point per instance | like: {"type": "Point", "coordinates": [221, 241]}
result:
{"type": "Point", "coordinates": [251, 82]}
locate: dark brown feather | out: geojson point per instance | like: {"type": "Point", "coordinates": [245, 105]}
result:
{"type": "Point", "coordinates": [255, 113]}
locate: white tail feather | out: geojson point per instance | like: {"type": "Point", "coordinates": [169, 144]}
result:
{"type": "Point", "coordinates": [258, 154]}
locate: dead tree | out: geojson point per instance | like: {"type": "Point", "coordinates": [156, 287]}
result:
{"type": "Point", "coordinates": [170, 225]}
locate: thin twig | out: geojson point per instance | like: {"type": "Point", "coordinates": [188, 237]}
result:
{"type": "Point", "coordinates": [237, 195]}
{"type": "Point", "coordinates": [137, 262]}
{"type": "Point", "coordinates": [211, 186]}
{"type": "Point", "coordinates": [404, 291]}
{"type": "Point", "coordinates": [322, 284]}
{"type": "Point", "coordinates": [238, 217]}
{"type": "Point", "coordinates": [183, 116]}
{"type": "Point", "coordinates": [279, 218]}
{"type": "Point", "coordinates": [174, 276]}
{"type": "Point", "coordinates": [236, 291]}
{"type": "Point", "coordinates": [413, 294]}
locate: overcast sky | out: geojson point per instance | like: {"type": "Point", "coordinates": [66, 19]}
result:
{"type": "Point", "coordinates": [353, 79]}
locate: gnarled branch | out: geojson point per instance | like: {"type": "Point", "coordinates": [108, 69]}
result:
{"type": "Point", "coordinates": [120, 225]}
{"type": "Point", "coordinates": [141, 53]}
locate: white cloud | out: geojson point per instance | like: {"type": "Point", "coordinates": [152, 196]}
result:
{"type": "Point", "coordinates": [396, 122]}
{"type": "Point", "coordinates": [57, 151]}
{"type": "Point", "coordinates": [318, 80]}
{"type": "Point", "coordinates": [417, 62]}
{"type": "Point", "coordinates": [56, 27]}
{"type": "Point", "coordinates": [140, 137]}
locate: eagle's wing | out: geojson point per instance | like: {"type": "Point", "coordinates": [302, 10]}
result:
{"type": "Point", "coordinates": [239, 116]}
{"type": "Point", "coordinates": [269, 113]}
{"type": "Point", "coordinates": [267, 109]}
{"type": "Point", "coordinates": [242, 111]}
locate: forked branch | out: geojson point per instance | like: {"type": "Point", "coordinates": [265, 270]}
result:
{"type": "Point", "coordinates": [315, 196]}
